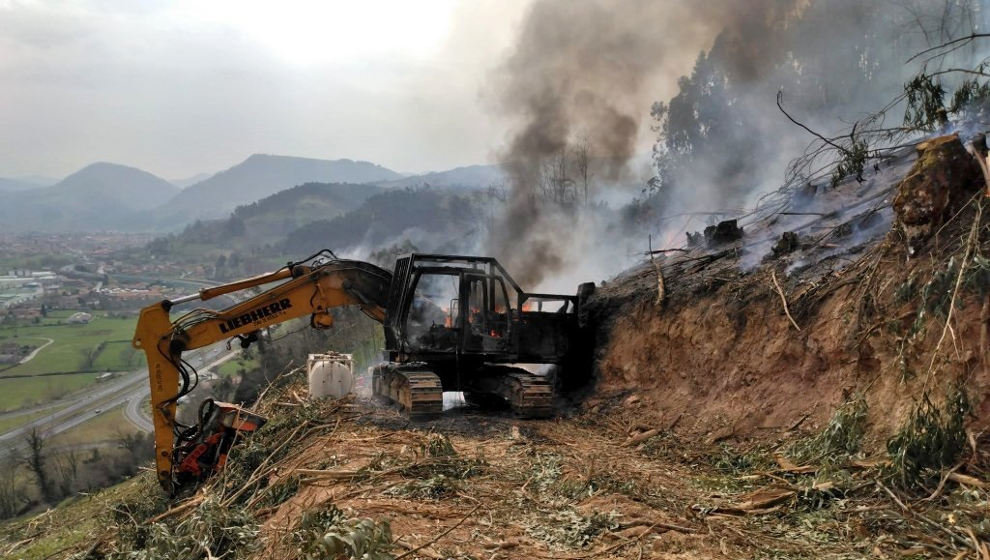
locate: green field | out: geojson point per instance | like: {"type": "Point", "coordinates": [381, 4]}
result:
{"type": "Point", "coordinates": [101, 345]}
{"type": "Point", "coordinates": [107, 425]}
{"type": "Point", "coordinates": [28, 391]}
{"type": "Point", "coordinates": [11, 423]}
{"type": "Point", "coordinates": [75, 345]}
{"type": "Point", "coordinates": [234, 366]}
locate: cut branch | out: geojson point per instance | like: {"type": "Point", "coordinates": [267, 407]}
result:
{"type": "Point", "coordinates": [955, 290]}
{"type": "Point", "coordinates": [780, 291]}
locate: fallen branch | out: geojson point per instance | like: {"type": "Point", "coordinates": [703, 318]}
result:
{"type": "Point", "coordinates": [661, 287]}
{"type": "Point", "coordinates": [780, 291]}
{"type": "Point", "coordinates": [192, 502]}
{"type": "Point", "coordinates": [967, 480]}
{"type": "Point", "coordinates": [440, 536]}
{"type": "Point", "coordinates": [640, 438]}
{"type": "Point", "coordinates": [624, 543]}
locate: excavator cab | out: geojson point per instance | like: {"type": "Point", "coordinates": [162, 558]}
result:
{"type": "Point", "coordinates": [442, 305]}
{"type": "Point", "coordinates": [461, 323]}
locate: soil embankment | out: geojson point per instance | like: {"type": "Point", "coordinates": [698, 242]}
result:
{"type": "Point", "coordinates": [721, 355]}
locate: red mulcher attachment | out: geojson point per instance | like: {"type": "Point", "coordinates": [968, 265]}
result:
{"type": "Point", "coordinates": [203, 449]}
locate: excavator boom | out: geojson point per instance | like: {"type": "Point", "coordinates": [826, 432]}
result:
{"type": "Point", "coordinates": [185, 453]}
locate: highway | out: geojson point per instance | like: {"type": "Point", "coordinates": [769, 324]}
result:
{"type": "Point", "coordinates": [137, 398]}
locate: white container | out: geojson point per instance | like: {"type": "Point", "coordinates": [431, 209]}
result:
{"type": "Point", "coordinates": [330, 375]}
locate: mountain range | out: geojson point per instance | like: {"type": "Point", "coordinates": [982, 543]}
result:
{"type": "Point", "coordinates": [14, 184]}
{"type": "Point", "coordinates": [108, 196]}
{"type": "Point", "coordinates": [100, 196]}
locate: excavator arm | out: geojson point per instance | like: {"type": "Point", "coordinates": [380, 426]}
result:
{"type": "Point", "coordinates": [185, 454]}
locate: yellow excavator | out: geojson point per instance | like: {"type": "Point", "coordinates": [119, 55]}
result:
{"type": "Point", "coordinates": [451, 322]}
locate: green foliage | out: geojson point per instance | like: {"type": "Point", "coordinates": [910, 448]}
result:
{"type": "Point", "coordinates": [932, 439]}
{"type": "Point", "coordinates": [545, 470]}
{"type": "Point", "coordinates": [925, 103]}
{"type": "Point", "coordinates": [212, 530]}
{"type": "Point", "coordinates": [730, 461]}
{"type": "Point", "coordinates": [328, 533]}
{"type": "Point", "coordinates": [852, 162]}
{"type": "Point", "coordinates": [434, 488]}
{"type": "Point", "coordinates": [438, 445]}
{"type": "Point", "coordinates": [451, 467]}
{"type": "Point", "coordinates": [977, 277]}
{"type": "Point", "coordinates": [841, 438]}
{"type": "Point", "coordinates": [279, 492]}
{"type": "Point", "coordinates": [579, 489]}
{"type": "Point", "coordinates": [971, 97]}
{"type": "Point", "coordinates": [567, 528]}
{"type": "Point", "coordinates": [936, 294]}
{"type": "Point", "coordinates": [907, 290]}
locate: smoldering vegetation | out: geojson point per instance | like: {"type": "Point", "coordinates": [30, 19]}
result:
{"type": "Point", "coordinates": [587, 81]}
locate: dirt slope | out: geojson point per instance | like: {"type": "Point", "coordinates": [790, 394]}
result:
{"type": "Point", "coordinates": [721, 354]}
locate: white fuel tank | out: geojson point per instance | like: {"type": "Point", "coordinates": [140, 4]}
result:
{"type": "Point", "coordinates": [330, 375]}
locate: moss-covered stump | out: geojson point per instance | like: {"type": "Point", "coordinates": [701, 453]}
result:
{"type": "Point", "coordinates": [941, 181]}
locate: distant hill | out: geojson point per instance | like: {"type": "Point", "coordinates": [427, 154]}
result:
{"type": "Point", "coordinates": [188, 181]}
{"type": "Point", "coordinates": [471, 177]}
{"type": "Point", "coordinates": [101, 196]}
{"type": "Point", "coordinates": [359, 221]}
{"type": "Point", "coordinates": [15, 185]}
{"type": "Point", "coordinates": [260, 176]}
{"type": "Point", "coordinates": [267, 221]}
{"type": "Point", "coordinates": [40, 180]}
{"type": "Point", "coordinates": [25, 182]}
{"type": "Point", "coordinates": [432, 219]}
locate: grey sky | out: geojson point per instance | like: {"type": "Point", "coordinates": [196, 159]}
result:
{"type": "Point", "coordinates": [181, 87]}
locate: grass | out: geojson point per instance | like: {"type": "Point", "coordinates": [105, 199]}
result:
{"type": "Point", "coordinates": [66, 354]}
{"type": "Point", "coordinates": [109, 424]}
{"type": "Point", "coordinates": [117, 356]}
{"type": "Point", "coordinates": [235, 366]}
{"type": "Point", "coordinates": [76, 520]}
{"type": "Point", "coordinates": [15, 421]}
{"type": "Point", "coordinates": [28, 391]}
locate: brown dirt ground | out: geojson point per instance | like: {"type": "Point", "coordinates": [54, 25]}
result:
{"type": "Point", "coordinates": [670, 496]}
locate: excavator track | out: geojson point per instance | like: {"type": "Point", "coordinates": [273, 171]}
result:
{"type": "Point", "coordinates": [417, 390]}
{"type": "Point", "coordinates": [529, 395]}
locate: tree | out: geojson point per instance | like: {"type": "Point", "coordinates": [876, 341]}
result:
{"type": "Point", "coordinates": [581, 163]}
{"type": "Point", "coordinates": [89, 355]}
{"type": "Point", "coordinates": [37, 462]}
{"type": "Point", "coordinates": [556, 185]}
{"type": "Point", "coordinates": [66, 467]}
{"type": "Point", "coordinates": [12, 494]}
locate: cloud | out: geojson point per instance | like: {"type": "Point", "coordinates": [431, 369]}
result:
{"type": "Point", "coordinates": [183, 87]}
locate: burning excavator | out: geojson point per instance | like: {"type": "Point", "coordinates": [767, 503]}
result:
{"type": "Point", "coordinates": [454, 323]}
